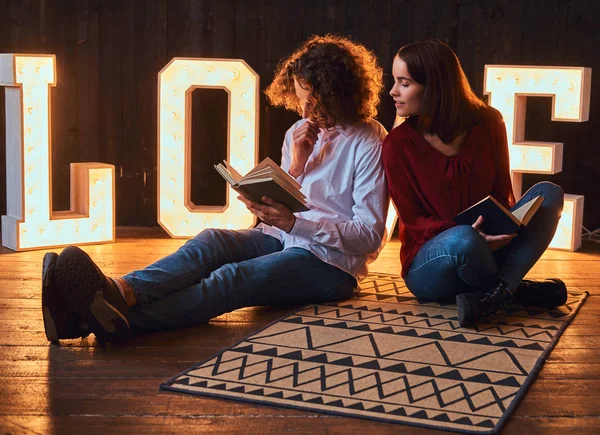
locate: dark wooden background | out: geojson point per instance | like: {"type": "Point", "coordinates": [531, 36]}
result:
{"type": "Point", "coordinates": [109, 53]}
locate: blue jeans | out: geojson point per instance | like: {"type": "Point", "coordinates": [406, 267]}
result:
{"type": "Point", "coordinates": [222, 270]}
{"type": "Point", "coordinates": [459, 260]}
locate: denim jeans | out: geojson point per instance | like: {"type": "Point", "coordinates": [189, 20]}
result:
{"type": "Point", "coordinates": [459, 260]}
{"type": "Point", "coordinates": [222, 270]}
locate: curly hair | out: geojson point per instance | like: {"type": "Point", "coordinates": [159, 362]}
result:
{"type": "Point", "coordinates": [344, 78]}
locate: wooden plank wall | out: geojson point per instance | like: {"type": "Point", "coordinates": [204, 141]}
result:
{"type": "Point", "coordinates": [109, 53]}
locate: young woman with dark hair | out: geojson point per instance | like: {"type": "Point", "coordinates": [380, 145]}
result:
{"type": "Point", "coordinates": [320, 255]}
{"type": "Point", "coordinates": [450, 153]}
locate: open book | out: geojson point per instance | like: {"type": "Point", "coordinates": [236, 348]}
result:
{"type": "Point", "coordinates": [266, 179]}
{"type": "Point", "coordinates": [497, 219]}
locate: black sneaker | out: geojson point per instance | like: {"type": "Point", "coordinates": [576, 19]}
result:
{"type": "Point", "coordinates": [60, 321]}
{"type": "Point", "coordinates": [474, 306]}
{"type": "Point", "coordinates": [91, 294]}
{"type": "Point", "coordinates": [547, 294]}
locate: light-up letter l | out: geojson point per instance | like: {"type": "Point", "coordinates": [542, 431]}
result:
{"type": "Point", "coordinates": [176, 82]}
{"type": "Point", "coordinates": [30, 221]}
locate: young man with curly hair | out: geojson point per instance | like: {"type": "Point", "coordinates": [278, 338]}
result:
{"type": "Point", "coordinates": [316, 256]}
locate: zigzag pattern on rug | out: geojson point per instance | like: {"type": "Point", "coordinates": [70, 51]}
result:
{"type": "Point", "coordinates": [388, 356]}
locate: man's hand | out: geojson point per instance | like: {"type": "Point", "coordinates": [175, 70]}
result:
{"type": "Point", "coordinates": [272, 212]}
{"type": "Point", "coordinates": [304, 139]}
{"type": "Point", "coordinates": [495, 242]}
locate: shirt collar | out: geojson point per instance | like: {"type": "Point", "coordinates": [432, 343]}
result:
{"type": "Point", "coordinates": [345, 130]}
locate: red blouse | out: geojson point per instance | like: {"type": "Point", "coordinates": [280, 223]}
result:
{"type": "Point", "coordinates": [429, 188]}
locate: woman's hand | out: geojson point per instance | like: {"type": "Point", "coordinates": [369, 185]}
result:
{"type": "Point", "coordinates": [304, 139]}
{"type": "Point", "coordinates": [272, 212]}
{"type": "Point", "coordinates": [495, 242]}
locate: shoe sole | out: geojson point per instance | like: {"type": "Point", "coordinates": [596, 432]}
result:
{"type": "Point", "coordinates": [49, 324]}
{"type": "Point", "coordinates": [81, 284]}
{"type": "Point", "coordinates": [49, 327]}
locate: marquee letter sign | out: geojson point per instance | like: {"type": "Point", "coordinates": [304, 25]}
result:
{"type": "Point", "coordinates": [508, 88]}
{"type": "Point", "coordinates": [176, 213]}
{"type": "Point", "coordinates": [30, 221]}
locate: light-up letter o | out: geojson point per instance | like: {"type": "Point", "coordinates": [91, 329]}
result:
{"type": "Point", "coordinates": [29, 222]}
{"type": "Point", "coordinates": [508, 88]}
{"type": "Point", "coordinates": [176, 82]}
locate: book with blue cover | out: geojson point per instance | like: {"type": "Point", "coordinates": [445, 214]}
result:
{"type": "Point", "coordinates": [497, 219]}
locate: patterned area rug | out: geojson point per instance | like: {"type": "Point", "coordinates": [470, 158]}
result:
{"type": "Point", "coordinates": [386, 356]}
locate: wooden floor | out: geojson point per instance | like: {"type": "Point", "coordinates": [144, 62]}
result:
{"type": "Point", "coordinates": [81, 386]}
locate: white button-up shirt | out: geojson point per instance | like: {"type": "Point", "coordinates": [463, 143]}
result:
{"type": "Point", "coordinates": [346, 191]}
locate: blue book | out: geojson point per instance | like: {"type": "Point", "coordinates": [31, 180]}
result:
{"type": "Point", "coordinates": [497, 219]}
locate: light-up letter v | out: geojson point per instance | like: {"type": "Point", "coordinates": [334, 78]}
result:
{"type": "Point", "coordinates": [30, 222]}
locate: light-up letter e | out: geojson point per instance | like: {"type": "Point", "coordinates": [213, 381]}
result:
{"type": "Point", "coordinates": [176, 82]}
{"type": "Point", "coordinates": [30, 222]}
{"type": "Point", "coordinates": [508, 88]}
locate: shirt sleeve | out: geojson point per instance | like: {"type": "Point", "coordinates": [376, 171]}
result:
{"type": "Point", "coordinates": [286, 152]}
{"type": "Point", "coordinates": [363, 234]}
{"type": "Point", "coordinates": [420, 224]}
{"type": "Point", "coordinates": [502, 188]}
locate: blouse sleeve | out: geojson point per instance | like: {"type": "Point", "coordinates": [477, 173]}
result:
{"type": "Point", "coordinates": [502, 188]}
{"type": "Point", "coordinates": [421, 225]}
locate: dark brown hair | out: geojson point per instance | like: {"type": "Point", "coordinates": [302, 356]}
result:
{"type": "Point", "coordinates": [343, 76]}
{"type": "Point", "coordinates": [449, 107]}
